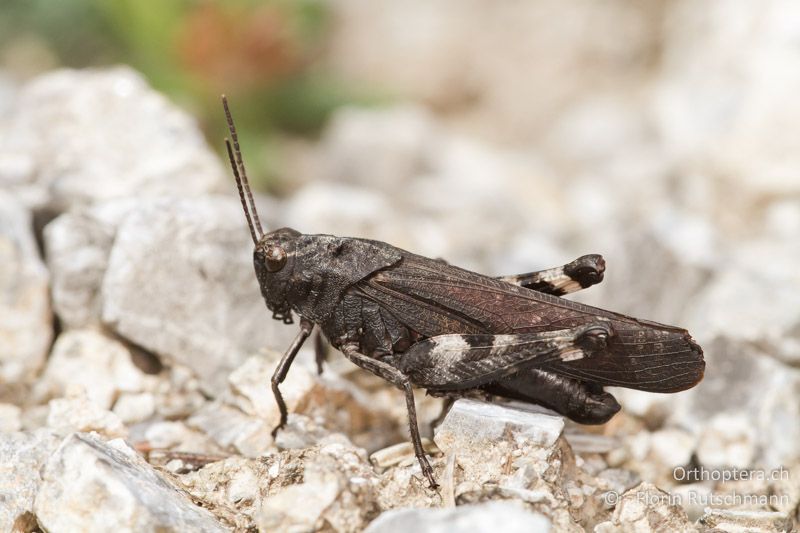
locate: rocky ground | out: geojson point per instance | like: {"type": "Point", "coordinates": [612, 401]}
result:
{"type": "Point", "coordinates": [135, 349]}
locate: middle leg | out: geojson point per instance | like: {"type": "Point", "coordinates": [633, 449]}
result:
{"type": "Point", "coordinates": [401, 381]}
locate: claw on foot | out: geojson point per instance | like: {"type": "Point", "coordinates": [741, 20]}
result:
{"type": "Point", "coordinates": [279, 427]}
{"type": "Point", "coordinates": [427, 471]}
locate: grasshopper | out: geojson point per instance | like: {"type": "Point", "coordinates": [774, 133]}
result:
{"type": "Point", "coordinates": [416, 321]}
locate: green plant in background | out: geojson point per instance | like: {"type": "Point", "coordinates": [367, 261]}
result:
{"type": "Point", "coordinates": [263, 54]}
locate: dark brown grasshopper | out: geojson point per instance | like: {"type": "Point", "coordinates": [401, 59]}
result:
{"type": "Point", "coordinates": [416, 321]}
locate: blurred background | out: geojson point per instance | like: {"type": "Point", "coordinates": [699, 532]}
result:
{"type": "Point", "coordinates": [502, 136]}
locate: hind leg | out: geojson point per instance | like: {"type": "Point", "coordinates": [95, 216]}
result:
{"type": "Point", "coordinates": [581, 273]}
{"type": "Point", "coordinates": [582, 402]}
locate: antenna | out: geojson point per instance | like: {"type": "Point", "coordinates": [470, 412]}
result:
{"type": "Point", "coordinates": [241, 192]}
{"type": "Point", "coordinates": [245, 195]}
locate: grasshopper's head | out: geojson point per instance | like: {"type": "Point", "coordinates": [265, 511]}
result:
{"type": "Point", "coordinates": [273, 259]}
{"type": "Point", "coordinates": [273, 255]}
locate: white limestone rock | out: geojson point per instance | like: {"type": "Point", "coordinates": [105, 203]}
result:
{"type": "Point", "coordinates": [172, 275]}
{"type": "Point", "coordinates": [81, 136]}
{"type": "Point", "coordinates": [78, 413]}
{"type": "Point", "coordinates": [480, 518]}
{"type": "Point", "coordinates": [751, 301]}
{"type": "Point", "coordinates": [250, 390]}
{"type": "Point", "coordinates": [10, 418]}
{"type": "Point", "coordinates": [77, 246]}
{"type": "Point", "coordinates": [646, 509]}
{"type": "Point", "coordinates": [748, 401]}
{"type": "Point", "coordinates": [92, 485]}
{"type": "Point", "coordinates": [180, 283]}
{"type": "Point", "coordinates": [727, 441]}
{"type": "Point", "coordinates": [236, 484]}
{"type": "Point", "coordinates": [673, 447]}
{"type": "Point", "coordinates": [485, 436]}
{"type": "Point", "coordinates": [26, 322]}
{"type": "Point", "coordinates": [338, 488]}
{"type": "Point", "coordinates": [22, 456]}
{"type": "Point", "coordinates": [98, 365]}
{"type": "Point", "coordinates": [173, 435]}
{"type": "Point", "coordinates": [230, 428]}
{"type": "Point", "coordinates": [132, 408]}
{"type": "Point", "coordinates": [517, 448]}
{"type": "Point", "coordinates": [746, 521]}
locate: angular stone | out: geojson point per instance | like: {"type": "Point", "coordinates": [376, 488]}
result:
{"type": "Point", "coordinates": [88, 360]}
{"type": "Point", "coordinates": [750, 521]}
{"type": "Point", "coordinates": [235, 483]}
{"type": "Point", "coordinates": [250, 390]}
{"type": "Point", "coordinates": [463, 519]}
{"type": "Point", "coordinates": [77, 247]}
{"type": "Point", "coordinates": [174, 276]}
{"type": "Point", "coordinates": [232, 429]}
{"type": "Point", "coordinates": [486, 437]}
{"type": "Point", "coordinates": [338, 488]}
{"type": "Point", "coordinates": [753, 390]}
{"type": "Point", "coordinates": [92, 485]}
{"type": "Point", "coordinates": [71, 130]}
{"type": "Point", "coordinates": [317, 405]}
{"type": "Point", "coordinates": [10, 418]}
{"type": "Point", "coordinates": [180, 395]}
{"type": "Point", "coordinates": [22, 456]}
{"type": "Point", "coordinates": [173, 435]}
{"type": "Point", "coordinates": [727, 441]}
{"type": "Point", "coordinates": [77, 413]}
{"type": "Point", "coordinates": [673, 447]}
{"type": "Point", "coordinates": [482, 422]}
{"type": "Point", "coordinates": [516, 448]}
{"type": "Point", "coordinates": [133, 408]}
{"type": "Point", "coordinates": [646, 509]}
{"type": "Point", "coordinates": [180, 283]}
{"type": "Point", "coordinates": [26, 327]}
{"type": "Point", "coordinates": [749, 301]}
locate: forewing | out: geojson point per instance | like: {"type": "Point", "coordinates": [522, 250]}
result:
{"type": "Point", "coordinates": [455, 361]}
{"type": "Point", "coordinates": [435, 298]}
{"type": "Point", "coordinates": [648, 359]}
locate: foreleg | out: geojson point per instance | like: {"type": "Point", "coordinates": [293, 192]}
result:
{"type": "Point", "coordinates": [283, 368]}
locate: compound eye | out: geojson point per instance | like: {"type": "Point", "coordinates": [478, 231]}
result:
{"type": "Point", "coordinates": [275, 258]}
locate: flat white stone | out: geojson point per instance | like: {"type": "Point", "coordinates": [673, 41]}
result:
{"type": "Point", "coordinates": [480, 423]}
{"type": "Point", "coordinates": [488, 517]}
